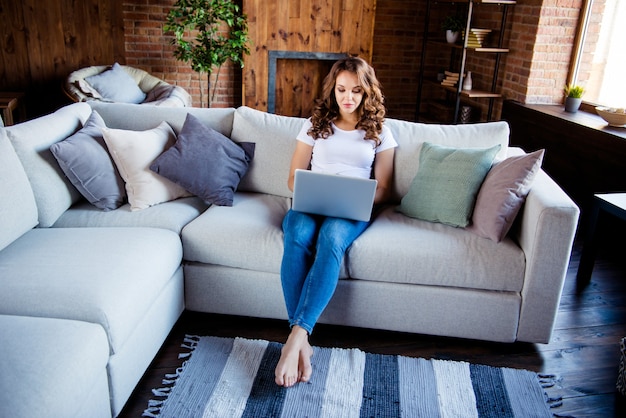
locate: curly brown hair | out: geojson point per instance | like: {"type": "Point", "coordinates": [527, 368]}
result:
{"type": "Point", "coordinates": [371, 110]}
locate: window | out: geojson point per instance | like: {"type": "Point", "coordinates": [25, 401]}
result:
{"type": "Point", "coordinates": [600, 61]}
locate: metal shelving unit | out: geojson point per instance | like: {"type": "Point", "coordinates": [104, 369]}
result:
{"type": "Point", "coordinates": [463, 50]}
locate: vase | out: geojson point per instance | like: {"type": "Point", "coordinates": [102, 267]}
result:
{"type": "Point", "coordinates": [452, 37]}
{"type": "Point", "coordinates": [572, 104]}
{"type": "Point", "coordinates": [467, 81]}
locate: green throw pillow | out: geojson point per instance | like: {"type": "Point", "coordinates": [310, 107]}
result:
{"type": "Point", "coordinates": [446, 184]}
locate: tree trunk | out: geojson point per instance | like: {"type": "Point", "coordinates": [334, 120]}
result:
{"type": "Point", "coordinates": [201, 79]}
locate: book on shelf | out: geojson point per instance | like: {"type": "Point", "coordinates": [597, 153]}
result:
{"type": "Point", "coordinates": [476, 37]}
{"type": "Point", "coordinates": [451, 78]}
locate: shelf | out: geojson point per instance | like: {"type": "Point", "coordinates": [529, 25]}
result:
{"type": "Point", "coordinates": [474, 44]}
{"type": "Point", "coordinates": [476, 94]}
{"type": "Point", "coordinates": [472, 94]}
{"type": "Point", "coordinates": [479, 1]}
{"type": "Point", "coordinates": [487, 49]}
{"type": "Point", "coordinates": [483, 49]}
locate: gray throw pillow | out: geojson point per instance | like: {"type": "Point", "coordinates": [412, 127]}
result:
{"type": "Point", "coordinates": [205, 162]}
{"type": "Point", "coordinates": [446, 184]}
{"type": "Point", "coordinates": [86, 162]}
{"type": "Point", "coordinates": [117, 85]}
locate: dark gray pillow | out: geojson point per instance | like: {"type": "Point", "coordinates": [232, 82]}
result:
{"type": "Point", "coordinates": [205, 162]}
{"type": "Point", "coordinates": [86, 162]}
{"type": "Point", "coordinates": [117, 85]}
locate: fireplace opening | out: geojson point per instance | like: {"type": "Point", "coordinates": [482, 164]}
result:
{"type": "Point", "coordinates": [295, 80]}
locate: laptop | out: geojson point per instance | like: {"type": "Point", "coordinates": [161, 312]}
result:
{"type": "Point", "coordinates": [333, 195]}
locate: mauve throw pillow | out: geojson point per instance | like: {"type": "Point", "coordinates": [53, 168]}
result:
{"type": "Point", "coordinates": [86, 162]}
{"type": "Point", "coordinates": [502, 194]}
{"type": "Point", "coordinates": [133, 152]}
{"type": "Point", "coordinates": [446, 184]}
{"type": "Point", "coordinates": [205, 162]}
{"type": "Point", "coordinates": [117, 85]}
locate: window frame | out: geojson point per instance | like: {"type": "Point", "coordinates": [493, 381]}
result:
{"type": "Point", "coordinates": [577, 52]}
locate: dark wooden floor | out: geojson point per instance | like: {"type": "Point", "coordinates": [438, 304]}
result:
{"type": "Point", "coordinates": [583, 353]}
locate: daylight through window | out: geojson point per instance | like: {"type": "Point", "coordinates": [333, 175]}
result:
{"type": "Point", "coordinates": [601, 63]}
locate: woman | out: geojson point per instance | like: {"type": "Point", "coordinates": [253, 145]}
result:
{"type": "Point", "coordinates": [346, 136]}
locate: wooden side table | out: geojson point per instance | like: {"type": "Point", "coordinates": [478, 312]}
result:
{"type": "Point", "coordinates": [612, 203]}
{"type": "Point", "coordinates": [9, 102]}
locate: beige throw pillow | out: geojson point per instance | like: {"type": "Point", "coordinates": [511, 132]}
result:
{"type": "Point", "coordinates": [502, 195]}
{"type": "Point", "coordinates": [133, 152]}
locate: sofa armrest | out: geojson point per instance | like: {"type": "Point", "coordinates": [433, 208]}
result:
{"type": "Point", "coordinates": [548, 225]}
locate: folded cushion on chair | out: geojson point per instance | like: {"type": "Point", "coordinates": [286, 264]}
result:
{"type": "Point", "coordinates": [117, 85]}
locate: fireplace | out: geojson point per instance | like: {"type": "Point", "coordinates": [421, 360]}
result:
{"type": "Point", "coordinates": [295, 79]}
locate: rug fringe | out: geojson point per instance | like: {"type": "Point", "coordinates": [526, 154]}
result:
{"type": "Point", "coordinates": [548, 381]}
{"type": "Point", "coordinates": [190, 342]}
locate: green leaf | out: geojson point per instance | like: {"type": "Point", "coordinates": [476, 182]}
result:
{"type": "Point", "coordinates": [207, 33]}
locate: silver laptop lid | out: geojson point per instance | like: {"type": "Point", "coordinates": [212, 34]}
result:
{"type": "Point", "coordinates": [333, 195]}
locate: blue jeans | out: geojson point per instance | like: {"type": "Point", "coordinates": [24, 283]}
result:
{"type": "Point", "coordinates": [314, 249]}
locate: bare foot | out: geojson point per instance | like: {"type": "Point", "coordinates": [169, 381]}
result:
{"type": "Point", "coordinates": [294, 364]}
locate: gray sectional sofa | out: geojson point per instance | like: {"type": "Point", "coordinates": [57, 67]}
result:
{"type": "Point", "coordinates": [90, 295]}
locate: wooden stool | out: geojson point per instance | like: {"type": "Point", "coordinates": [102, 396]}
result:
{"type": "Point", "coordinates": [613, 203]}
{"type": "Point", "coordinates": [9, 101]}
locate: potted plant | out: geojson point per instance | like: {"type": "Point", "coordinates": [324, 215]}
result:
{"type": "Point", "coordinates": [573, 97]}
{"type": "Point", "coordinates": [453, 25]}
{"type": "Point", "coordinates": [207, 33]}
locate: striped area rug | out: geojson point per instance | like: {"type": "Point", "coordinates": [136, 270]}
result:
{"type": "Point", "coordinates": [225, 377]}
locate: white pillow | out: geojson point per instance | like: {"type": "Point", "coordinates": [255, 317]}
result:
{"type": "Point", "coordinates": [133, 152]}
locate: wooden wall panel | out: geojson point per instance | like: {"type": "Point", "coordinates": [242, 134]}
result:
{"type": "Point", "coordinates": [41, 43]}
{"type": "Point", "coordinates": [325, 26]}
{"type": "Point", "coordinates": [298, 84]}
{"type": "Point", "coordinates": [14, 66]}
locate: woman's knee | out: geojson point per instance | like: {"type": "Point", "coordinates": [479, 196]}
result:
{"type": "Point", "coordinates": [340, 233]}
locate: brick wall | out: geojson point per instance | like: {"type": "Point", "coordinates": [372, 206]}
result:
{"type": "Point", "coordinates": [535, 71]}
{"type": "Point", "coordinates": [541, 46]}
{"type": "Point", "coordinates": [398, 29]}
{"type": "Point", "coordinates": [148, 48]}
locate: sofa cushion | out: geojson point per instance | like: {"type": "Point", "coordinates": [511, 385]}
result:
{"type": "Point", "coordinates": [18, 210]}
{"type": "Point", "coordinates": [53, 367]}
{"type": "Point", "coordinates": [399, 249]}
{"type": "Point", "coordinates": [247, 235]}
{"type": "Point", "coordinates": [53, 191]}
{"type": "Point", "coordinates": [275, 138]}
{"type": "Point", "coordinates": [140, 118]}
{"type": "Point", "coordinates": [410, 137]}
{"type": "Point", "coordinates": [205, 162]}
{"type": "Point", "coordinates": [107, 276]}
{"type": "Point", "coordinates": [502, 194]}
{"type": "Point", "coordinates": [447, 182]}
{"type": "Point", "coordinates": [117, 85]}
{"type": "Point", "coordinates": [85, 160]}
{"type": "Point", "coordinates": [133, 152]}
{"type": "Point", "coordinates": [172, 215]}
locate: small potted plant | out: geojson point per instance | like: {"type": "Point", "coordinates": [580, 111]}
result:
{"type": "Point", "coordinates": [453, 25]}
{"type": "Point", "coordinates": [573, 97]}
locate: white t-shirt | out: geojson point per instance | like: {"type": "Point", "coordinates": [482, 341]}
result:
{"type": "Point", "coordinates": [345, 152]}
